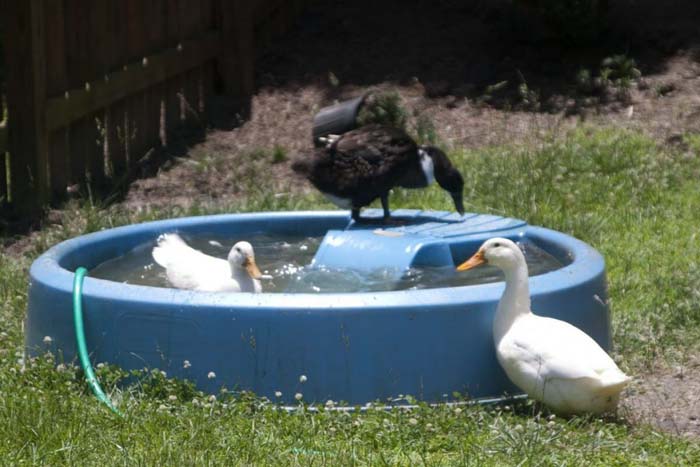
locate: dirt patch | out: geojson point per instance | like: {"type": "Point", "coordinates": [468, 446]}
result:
{"type": "Point", "coordinates": [668, 399]}
{"type": "Point", "coordinates": [460, 64]}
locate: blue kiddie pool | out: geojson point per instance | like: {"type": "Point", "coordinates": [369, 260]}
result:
{"type": "Point", "coordinates": [353, 347]}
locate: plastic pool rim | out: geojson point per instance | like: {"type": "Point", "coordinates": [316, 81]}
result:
{"type": "Point", "coordinates": [51, 274]}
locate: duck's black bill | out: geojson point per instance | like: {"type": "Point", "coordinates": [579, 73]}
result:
{"type": "Point", "coordinates": [459, 203]}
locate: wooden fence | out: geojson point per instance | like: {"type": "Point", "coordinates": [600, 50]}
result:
{"type": "Point", "coordinates": [93, 85]}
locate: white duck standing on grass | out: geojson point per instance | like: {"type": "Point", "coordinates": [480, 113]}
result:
{"type": "Point", "coordinates": [187, 268]}
{"type": "Point", "coordinates": [551, 360]}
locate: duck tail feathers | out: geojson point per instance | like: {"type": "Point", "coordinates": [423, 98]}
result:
{"type": "Point", "coordinates": [615, 383]}
{"type": "Point", "coordinates": [169, 246]}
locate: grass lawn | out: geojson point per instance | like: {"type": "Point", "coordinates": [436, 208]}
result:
{"type": "Point", "coordinates": [636, 202]}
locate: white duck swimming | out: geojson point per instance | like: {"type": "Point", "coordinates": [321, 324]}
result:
{"type": "Point", "coordinates": [188, 268]}
{"type": "Point", "coordinates": [551, 360]}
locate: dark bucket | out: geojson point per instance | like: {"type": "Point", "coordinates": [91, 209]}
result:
{"type": "Point", "coordinates": [337, 119]}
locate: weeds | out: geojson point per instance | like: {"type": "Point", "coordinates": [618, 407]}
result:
{"type": "Point", "coordinates": [615, 78]}
{"type": "Point", "coordinates": [384, 108]}
{"type": "Point", "coordinates": [529, 98]}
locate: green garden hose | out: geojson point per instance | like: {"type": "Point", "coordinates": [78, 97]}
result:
{"type": "Point", "coordinates": [80, 339]}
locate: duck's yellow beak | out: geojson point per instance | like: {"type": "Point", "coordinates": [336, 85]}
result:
{"type": "Point", "coordinates": [252, 268]}
{"type": "Point", "coordinates": [473, 262]}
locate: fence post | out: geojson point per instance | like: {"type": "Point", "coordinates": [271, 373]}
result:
{"type": "Point", "coordinates": [26, 98]}
{"type": "Point", "coordinates": [237, 47]}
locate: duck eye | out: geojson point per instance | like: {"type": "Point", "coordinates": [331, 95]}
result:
{"type": "Point", "coordinates": [238, 249]}
{"type": "Point", "coordinates": [496, 245]}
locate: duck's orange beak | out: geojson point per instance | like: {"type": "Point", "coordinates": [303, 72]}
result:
{"type": "Point", "coordinates": [473, 262]}
{"type": "Point", "coordinates": [252, 268]}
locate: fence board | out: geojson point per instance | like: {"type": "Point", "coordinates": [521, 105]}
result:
{"type": "Point", "coordinates": [192, 25]}
{"type": "Point", "coordinates": [135, 78]}
{"type": "Point", "coordinates": [76, 50]}
{"type": "Point", "coordinates": [116, 110]}
{"type": "Point", "coordinates": [25, 88]}
{"type": "Point", "coordinates": [158, 41]}
{"type": "Point", "coordinates": [137, 50]}
{"type": "Point", "coordinates": [237, 57]}
{"type": "Point", "coordinates": [98, 66]}
{"type": "Point", "coordinates": [57, 82]}
{"type": "Point", "coordinates": [175, 37]}
{"type": "Point", "coordinates": [3, 179]}
{"type": "Point", "coordinates": [3, 137]}
{"type": "Point", "coordinates": [3, 167]}
{"type": "Point", "coordinates": [81, 97]}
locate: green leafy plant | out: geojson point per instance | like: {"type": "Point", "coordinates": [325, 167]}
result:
{"type": "Point", "coordinates": [425, 130]}
{"type": "Point", "coordinates": [279, 154]}
{"type": "Point", "coordinates": [384, 108]}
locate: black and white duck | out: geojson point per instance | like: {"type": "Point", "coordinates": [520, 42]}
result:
{"type": "Point", "coordinates": [364, 164]}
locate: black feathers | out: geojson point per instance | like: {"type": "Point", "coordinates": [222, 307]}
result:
{"type": "Point", "coordinates": [364, 164]}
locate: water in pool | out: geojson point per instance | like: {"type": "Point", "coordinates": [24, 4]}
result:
{"type": "Point", "coordinates": [286, 259]}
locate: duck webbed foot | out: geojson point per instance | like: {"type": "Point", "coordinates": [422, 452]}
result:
{"type": "Point", "coordinates": [385, 207]}
{"type": "Point", "coordinates": [369, 220]}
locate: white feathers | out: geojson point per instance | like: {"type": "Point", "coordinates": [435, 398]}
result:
{"type": "Point", "coordinates": [187, 268]}
{"type": "Point", "coordinates": [551, 360]}
{"type": "Point", "coordinates": [427, 165]}
{"type": "Point", "coordinates": [342, 203]}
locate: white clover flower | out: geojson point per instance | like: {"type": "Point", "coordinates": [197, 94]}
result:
{"type": "Point", "coordinates": [413, 421]}
{"type": "Point", "coordinates": [212, 398]}
{"type": "Point", "coordinates": [162, 407]}
{"type": "Point", "coordinates": [172, 398]}
{"type": "Point", "coordinates": [551, 423]}
{"type": "Point", "coordinates": [519, 427]}
{"type": "Point", "coordinates": [100, 365]}
{"type": "Point", "coordinates": [60, 367]}
{"type": "Point", "coordinates": [278, 393]}
{"type": "Point", "coordinates": [211, 375]}
{"type": "Point", "coordinates": [302, 379]}
{"type": "Point", "coordinates": [458, 410]}
{"type": "Point", "coordinates": [186, 364]}
{"type": "Point", "coordinates": [330, 403]}
{"type": "Point", "coordinates": [48, 339]}
{"type": "Point", "coordinates": [298, 396]}
{"type": "Point", "coordinates": [164, 374]}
